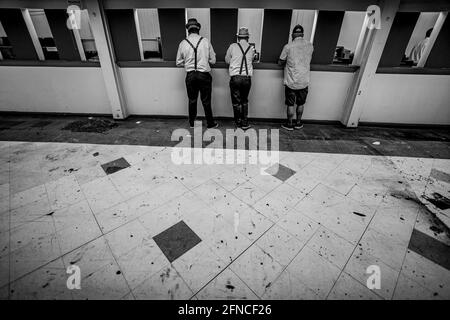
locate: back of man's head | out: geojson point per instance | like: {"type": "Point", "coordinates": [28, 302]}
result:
{"type": "Point", "coordinates": [297, 31]}
{"type": "Point", "coordinates": [193, 26]}
{"type": "Point", "coordinates": [243, 34]}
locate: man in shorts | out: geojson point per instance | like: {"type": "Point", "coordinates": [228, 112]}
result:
{"type": "Point", "coordinates": [296, 59]}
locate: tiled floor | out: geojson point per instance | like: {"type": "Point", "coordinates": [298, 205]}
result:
{"type": "Point", "coordinates": [140, 227]}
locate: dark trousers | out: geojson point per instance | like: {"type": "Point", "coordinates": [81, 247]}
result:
{"type": "Point", "coordinates": [196, 82]}
{"type": "Point", "coordinates": [239, 89]}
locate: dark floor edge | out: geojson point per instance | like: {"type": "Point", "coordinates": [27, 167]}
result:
{"type": "Point", "coordinates": [273, 120]}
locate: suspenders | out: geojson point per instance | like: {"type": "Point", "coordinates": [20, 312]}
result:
{"type": "Point", "coordinates": [244, 58]}
{"type": "Point", "coordinates": [195, 51]}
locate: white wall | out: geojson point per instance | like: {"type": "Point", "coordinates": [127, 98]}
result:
{"type": "Point", "coordinates": [162, 91]}
{"type": "Point", "coordinates": [414, 99]}
{"type": "Point", "coordinates": [53, 89]}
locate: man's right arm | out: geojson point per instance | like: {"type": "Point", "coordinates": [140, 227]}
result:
{"type": "Point", "coordinates": [180, 56]}
{"type": "Point", "coordinates": [283, 56]}
{"type": "Point", "coordinates": [228, 55]}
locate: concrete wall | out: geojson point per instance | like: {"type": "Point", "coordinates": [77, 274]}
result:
{"type": "Point", "coordinates": [413, 99]}
{"type": "Point", "coordinates": [162, 91]}
{"type": "Point", "coordinates": [394, 98]}
{"type": "Point", "coordinates": [53, 89]}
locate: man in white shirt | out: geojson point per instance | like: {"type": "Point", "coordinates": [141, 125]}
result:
{"type": "Point", "coordinates": [240, 58]}
{"type": "Point", "coordinates": [418, 50]}
{"type": "Point", "coordinates": [196, 54]}
{"type": "Point", "coordinates": [296, 57]}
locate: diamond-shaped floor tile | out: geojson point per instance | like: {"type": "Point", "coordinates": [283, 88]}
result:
{"type": "Point", "coordinates": [280, 172]}
{"type": "Point", "coordinates": [115, 165]}
{"type": "Point", "coordinates": [176, 240]}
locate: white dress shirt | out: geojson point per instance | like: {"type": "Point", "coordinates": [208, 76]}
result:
{"type": "Point", "coordinates": [234, 58]}
{"type": "Point", "coordinates": [205, 54]}
{"type": "Point", "coordinates": [419, 49]}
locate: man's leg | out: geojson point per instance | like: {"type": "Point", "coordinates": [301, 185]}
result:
{"type": "Point", "coordinates": [235, 101]}
{"type": "Point", "coordinates": [298, 123]}
{"type": "Point", "coordinates": [192, 92]}
{"type": "Point", "coordinates": [301, 99]}
{"type": "Point", "coordinates": [205, 95]}
{"type": "Point", "coordinates": [290, 111]}
{"type": "Point", "coordinates": [245, 90]}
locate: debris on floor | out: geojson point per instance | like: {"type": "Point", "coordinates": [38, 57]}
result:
{"type": "Point", "coordinates": [91, 125]}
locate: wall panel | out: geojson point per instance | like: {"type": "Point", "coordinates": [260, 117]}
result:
{"type": "Point", "coordinates": [173, 30]}
{"type": "Point", "coordinates": [327, 33]}
{"type": "Point", "coordinates": [397, 41]}
{"type": "Point", "coordinates": [18, 35]}
{"type": "Point", "coordinates": [275, 30]}
{"type": "Point", "coordinates": [223, 30]}
{"type": "Point", "coordinates": [440, 53]}
{"type": "Point", "coordinates": [122, 27]}
{"type": "Point", "coordinates": [64, 39]}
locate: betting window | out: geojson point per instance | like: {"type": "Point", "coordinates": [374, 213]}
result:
{"type": "Point", "coordinates": [87, 38]}
{"type": "Point", "coordinates": [203, 17]}
{"type": "Point", "coordinates": [6, 50]}
{"type": "Point", "coordinates": [305, 18]}
{"type": "Point", "coordinates": [348, 37]}
{"type": "Point", "coordinates": [252, 19]}
{"type": "Point", "coordinates": [417, 42]}
{"type": "Point", "coordinates": [44, 34]}
{"type": "Point", "coordinates": [149, 34]}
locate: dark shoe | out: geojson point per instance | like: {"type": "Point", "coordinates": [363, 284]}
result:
{"type": "Point", "coordinates": [298, 125]}
{"type": "Point", "coordinates": [213, 125]}
{"type": "Point", "coordinates": [191, 125]}
{"type": "Point", "coordinates": [287, 126]}
{"type": "Point", "coordinates": [245, 125]}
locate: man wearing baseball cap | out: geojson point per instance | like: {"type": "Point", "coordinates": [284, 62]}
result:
{"type": "Point", "coordinates": [240, 58]}
{"type": "Point", "coordinates": [296, 58]}
{"type": "Point", "coordinates": [196, 54]}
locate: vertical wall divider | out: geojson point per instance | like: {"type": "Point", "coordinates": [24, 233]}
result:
{"type": "Point", "coordinates": [357, 94]}
{"type": "Point", "coordinates": [33, 34]}
{"type": "Point", "coordinates": [79, 43]}
{"type": "Point", "coordinates": [362, 42]}
{"type": "Point", "coordinates": [105, 49]}
{"type": "Point", "coordinates": [138, 32]}
{"type": "Point", "coordinates": [313, 31]}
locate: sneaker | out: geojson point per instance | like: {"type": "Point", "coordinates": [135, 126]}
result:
{"type": "Point", "coordinates": [212, 126]}
{"type": "Point", "coordinates": [298, 125]}
{"type": "Point", "coordinates": [287, 127]}
{"type": "Point", "coordinates": [245, 125]}
{"type": "Point", "coordinates": [191, 126]}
